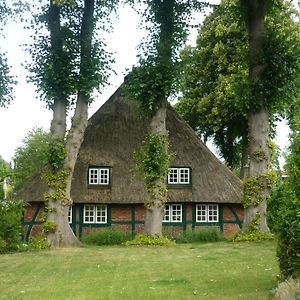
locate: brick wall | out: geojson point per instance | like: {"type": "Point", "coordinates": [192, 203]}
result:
{"type": "Point", "coordinates": [121, 213]}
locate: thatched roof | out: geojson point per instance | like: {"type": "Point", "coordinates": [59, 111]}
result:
{"type": "Point", "coordinates": [114, 133]}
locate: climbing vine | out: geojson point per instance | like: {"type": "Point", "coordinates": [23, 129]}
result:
{"type": "Point", "coordinates": [254, 188]}
{"type": "Point", "coordinates": [153, 159]}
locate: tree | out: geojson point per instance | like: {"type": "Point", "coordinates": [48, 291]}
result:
{"type": "Point", "coordinates": [5, 172]}
{"type": "Point", "coordinates": [6, 80]}
{"type": "Point", "coordinates": [216, 94]}
{"type": "Point", "coordinates": [232, 79]}
{"type": "Point", "coordinates": [31, 157]}
{"type": "Point", "coordinates": [284, 206]}
{"type": "Point", "coordinates": [150, 85]}
{"type": "Point", "coordinates": [69, 63]}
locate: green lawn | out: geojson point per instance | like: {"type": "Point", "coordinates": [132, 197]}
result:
{"type": "Point", "coordinates": [189, 271]}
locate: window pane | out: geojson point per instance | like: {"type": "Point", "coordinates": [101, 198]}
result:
{"type": "Point", "coordinates": [101, 213]}
{"type": "Point", "coordinates": [176, 211]}
{"type": "Point", "coordinates": [213, 213]}
{"type": "Point", "coordinates": [200, 213]}
{"type": "Point", "coordinates": [167, 213]}
{"type": "Point", "coordinates": [70, 215]}
{"type": "Point", "coordinates": [93, 176]}
{"type": "Point", "coordinates": [104, 176]}
{"type": "Point", "coordinates": [89, 213]}
{"type": "Point", "coordinates": [184, 175]}
{"type": "Point", "coordinates": [173, 176]}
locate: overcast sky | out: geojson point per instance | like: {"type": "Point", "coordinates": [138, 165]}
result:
{"type": "Point", "coordinates": [27, 112]}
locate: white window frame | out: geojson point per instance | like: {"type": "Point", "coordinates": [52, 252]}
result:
{"type": "Point", "coordinates": [170, 215]}
{"type": "Point", "coordinates": [93, 215]}
{"type": "Point", "coordinates": [180, 177]}
{"type": "Point", "coordinates": [99, 176]}
{"type": "Point", "coordinates": [207, 213]}
{"type": "Point", "coordinates": [70, 215]}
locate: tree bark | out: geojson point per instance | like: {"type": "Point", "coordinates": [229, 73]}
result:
{"type": "Point", "coordinates": [155, 210]}
{"type": "Point", "coordinates": [63, 236]}
{"type": "Point", "coordinates": [258, 118]}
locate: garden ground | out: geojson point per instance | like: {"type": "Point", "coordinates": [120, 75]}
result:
{"type": "Point", "coordinates": [188, 271]}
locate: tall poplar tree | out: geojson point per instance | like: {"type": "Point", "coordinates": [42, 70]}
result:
{"type": "Point", "coordinates": [68, 64]}
{"type": "Point", "coordinates": [151, 85]}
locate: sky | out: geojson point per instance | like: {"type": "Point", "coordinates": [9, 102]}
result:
{"type": "Point", "coordinates": [27, 111]}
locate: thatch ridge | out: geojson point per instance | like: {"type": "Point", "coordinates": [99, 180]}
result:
{"type": "Point", "coordinates": [114, 133]}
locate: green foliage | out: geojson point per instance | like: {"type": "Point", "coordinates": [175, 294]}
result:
{"type": "Point", "coordinates": [284, 208]}
{"type": "Point", "coordinates": [154, 80]}
{"type": "Point", "coordinates": [150, 240]}
{"type": "Point", "coordinates": [49, 227]}
{"type": "Point", "coordinates": [59, 68]}
{"type": "Point", "coordinates": [11, 213]}
{"type": "Point", "coordinates": [254, 188]}
{"type": "Point", "coordinates": [39, 243]}
{"type": "Point", "coordinates": [252, 236]}
{"type": "Point", "coordinates": [5, 172]}
{"type": "Point", "coordinates": [216, 93]}
{"type": "Point", "coordinates": [284, 220]}
{"type": "Point", "coordinates": [30, 157]}
{"type": "Point", "coordinates": [208, 234]}
{"type": "Point", "coordinates": [56, 153]}
{"type": "Point", "coordinates": [106, 237]}
{"type": "Point", "coordinates": [153, 159]}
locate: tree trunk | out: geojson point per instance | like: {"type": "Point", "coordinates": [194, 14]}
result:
{"type": "Point", "coordinates": [244, 172]}
{"type": "Point", "coordinates": [155, 210]}
{"type": "Point", "coordinates": [58, 209]}
{"type": "Point", "coordinates": [258, 119]}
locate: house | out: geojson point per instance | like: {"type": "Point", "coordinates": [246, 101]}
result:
{"type": "Point", "coordinates": [107, 193]}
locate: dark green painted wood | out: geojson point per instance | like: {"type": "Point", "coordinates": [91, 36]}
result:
{"type": "Point", "coordinates": [237, 220]}
{"type": "Point", "coordinates": [33, 222]}
{"type": "Point", "coordinates": [132, 212]}
{"type": "Point", "coordinates": [221, 217]}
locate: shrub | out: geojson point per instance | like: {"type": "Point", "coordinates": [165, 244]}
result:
{"type": "Point", "coordinates": [208, 234]}
{"type": "Point", "coordinates": [39, 243]}
{"type": "Point", "coordinates": [284, 209]}
{"type": "Point", "coordinates": [106, 237]}
{"type": "Point", "coordinates": [252, 236]}
{"type": "Point", "coordinates": [11, 213]}
{"type": "Point", "coordinates": [150, 240]}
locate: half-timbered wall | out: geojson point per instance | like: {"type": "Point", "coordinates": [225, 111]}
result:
{"type": "Point", "coordinates": [131, 219]}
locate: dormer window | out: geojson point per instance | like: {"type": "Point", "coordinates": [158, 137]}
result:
{"type": "Point", "coordinates": [179, 176]}
{"type": "Point", "coordinates": [99, 176]}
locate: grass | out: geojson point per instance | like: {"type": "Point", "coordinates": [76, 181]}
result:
{"type": "Point", "coordinates": [188, 271]}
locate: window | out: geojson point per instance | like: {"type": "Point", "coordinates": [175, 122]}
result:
{"type": "Point", "coordinates": [207, 213]}
{"type": "Point", "coordinates": [70, 215]}
{"type": "Point", "coordinates": [173, 213]}
{"type": "Point", "coordinates": [99, 176]}
{"type": "Point", "coordinates": [179, 176]}
{"type": "Point", "coordinates": [95, 214]}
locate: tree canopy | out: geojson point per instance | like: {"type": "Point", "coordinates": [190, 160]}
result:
{"type": "Point", "coordinates": [216, 91]}
{"type": "Point", "coordinates": [31, 157]}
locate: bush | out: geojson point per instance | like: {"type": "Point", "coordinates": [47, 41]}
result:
{"type": "Point", "coordinates": [202, 234]}
{"type": "Point", "coordinates": [106, 237]}
{"type": "Point", "coordinates": [208, 234]}
{"type": "Point", "coordinates": [39, 243]}
{"type": "Point", "coordinates": [284, 210]}
{"type": "Point", "coordinates": [150, 240]}
{"type": "Point", "coordinates": [252, 236]}
{"type": "Point", "coordinates": [11, 213]}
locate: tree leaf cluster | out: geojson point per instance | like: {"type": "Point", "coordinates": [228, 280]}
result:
{"type": "Point", "coordinates": [152, 82]}
{"type": "Point", "coordinates": [30, 157]}
{"type": "Point", "coordinates": [216, 91]}
{"type": "Point", "coordinates": [153, 159]}
{"type": "Point", "coordinates": [55, 69]}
